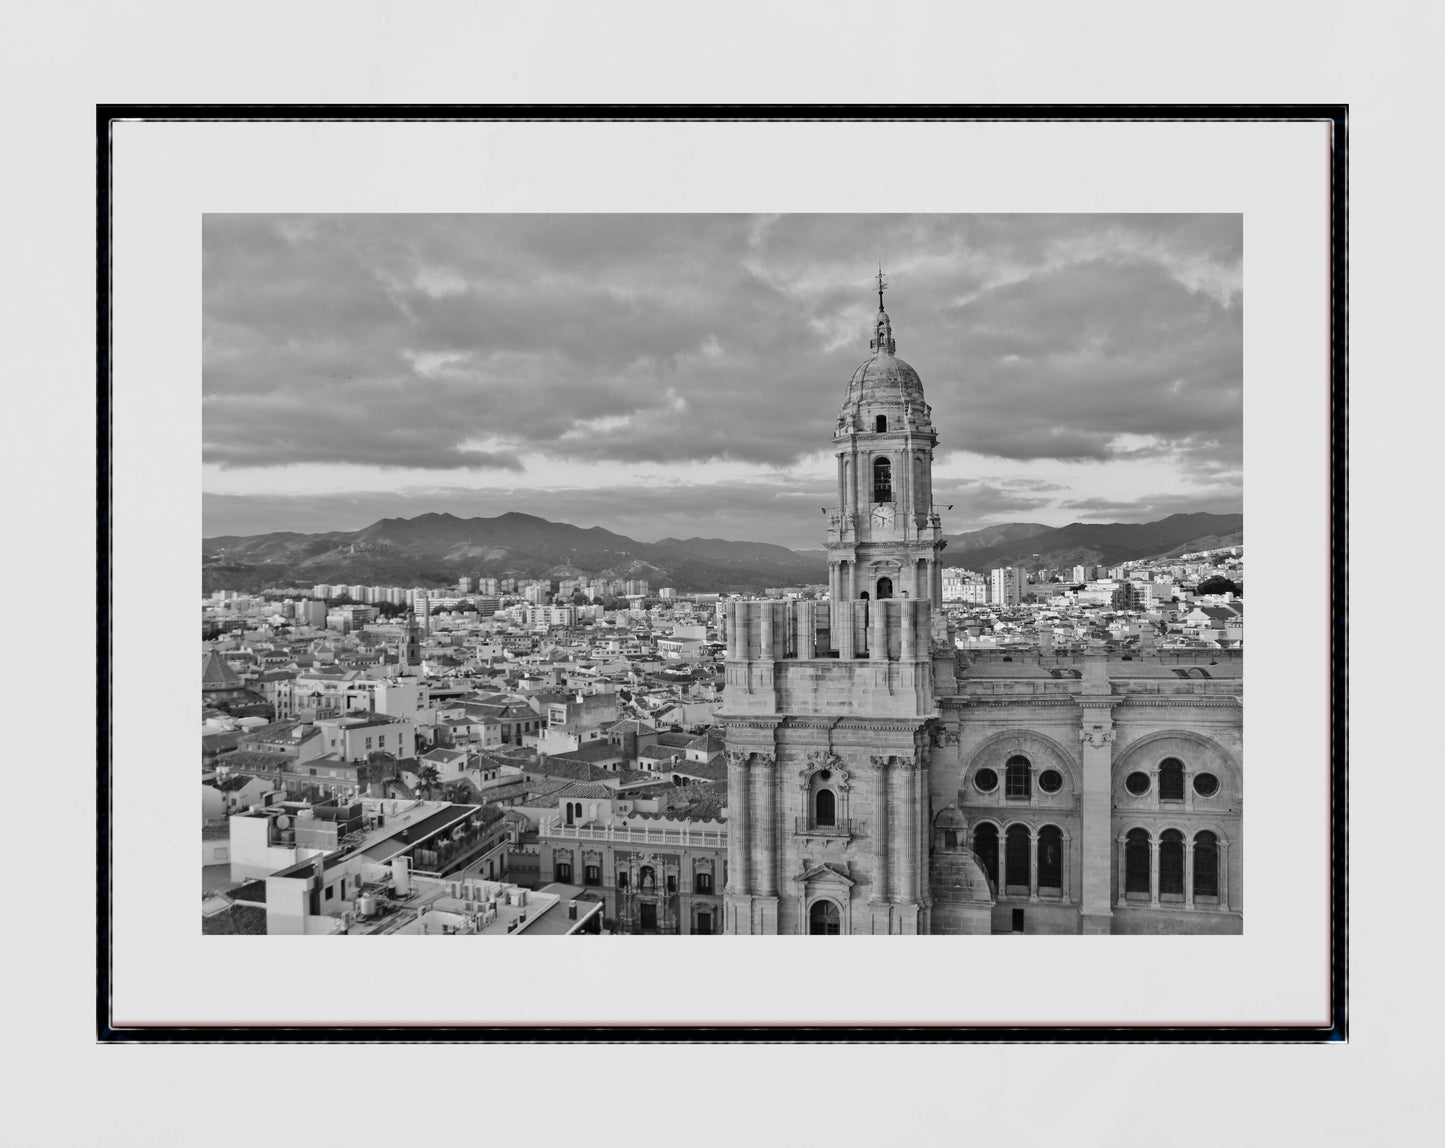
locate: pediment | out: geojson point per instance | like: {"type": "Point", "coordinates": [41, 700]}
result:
{"type": "Point", "coordinates": [824, 873]}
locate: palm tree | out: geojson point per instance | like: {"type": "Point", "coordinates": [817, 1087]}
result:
{"type": "Point", "coordinates": [427, 779]}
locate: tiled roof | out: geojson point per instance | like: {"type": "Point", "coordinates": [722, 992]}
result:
{"type": "Point", "coordinates": [592, 751]}
{"type": "Point", "coordinates": [588, 790]}
{"type": "Point", "coordinates": [216, 674]}
{"type": "Point", "coordinates": [237, 920]}
{"type": "Point", "coordinates": [708, 770]}
{"type": "Point", "coordinates": [559, 766]}
{"type": "Point", "coordinates": [253, 760]}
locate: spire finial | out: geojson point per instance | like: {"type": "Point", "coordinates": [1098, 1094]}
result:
{"type": "Point", "coordinates": [882, 341]}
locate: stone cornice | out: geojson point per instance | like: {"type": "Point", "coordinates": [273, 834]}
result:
{"type": "Point", "coordinates": [1183, 701]}
{"type": "Point", "coordinates": [760, 721]}
{"type": "Point", "coordinates": [850, 724]}
{"type": "Point", "coordinates": [1019, 700]}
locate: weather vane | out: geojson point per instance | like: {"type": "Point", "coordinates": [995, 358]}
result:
{"type": "Point", "coordinates": [882, 285]}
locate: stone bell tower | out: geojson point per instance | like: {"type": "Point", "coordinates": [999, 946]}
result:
{"type": "Point", "coordinates": [829, 707]}
{"type": "Point", "coordinates": [884, 536]}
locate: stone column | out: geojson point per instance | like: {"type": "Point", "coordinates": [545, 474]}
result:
{"type": "Point", "coordinates": [842, 628]}
{"type": "Point", "coordinates": [1222, 861]}
{"type": "Point", "coordinates": [765, 792]}
{"type": "Point", "coordinates": [1122, 873]}
{"type": "Point", "coordinates": [1002, 861]}
{"type": "Point", "coordinates": [878, 637]}
{"type": "Point", "coordinates": [908, 626]}
{"type": "Point", "coordinates": [906, 802]}
{"type": "Point", "coordinates": [733, 609]}
{"type": "Point", "coordinates": [881, 888]}
{"type": "Point", "coordinates": [1033, 865]}
{"type": "Point", "coordinates": [1066, 880]}
{"type": "Point", "coordinates": [740, 833]}
{"type": "Point", "coordinates": [1188, 872]}
{"type": "Point", "coordinates": [1154, 870]}
{"type": "Point", "coordinates": [767, 642]}
{"type": "Point", "coordinates": [806, 631]}
{"type": "Point", "coordinates": [1096, 814]}
{"type": "Point", "coordinates": [860, 467]}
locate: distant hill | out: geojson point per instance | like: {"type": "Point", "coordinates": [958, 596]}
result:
{"type": "Point", "coordinates": [437, 548]}
{"type": "Point", "coordinates": [434, 549]}
{"type": "Point", "coordinates": [1101, 543]}
{"type": "Point", "coordinates": [995, 536]}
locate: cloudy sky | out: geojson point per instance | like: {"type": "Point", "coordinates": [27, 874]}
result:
{"type": "Point", "coordinates": [679, 375]}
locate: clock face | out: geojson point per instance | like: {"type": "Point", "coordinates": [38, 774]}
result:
{"type": "Point", "coordinates": [882, 515]}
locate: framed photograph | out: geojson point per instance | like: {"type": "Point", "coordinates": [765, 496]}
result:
{"type": "Point", "coordinates": [704, 533]}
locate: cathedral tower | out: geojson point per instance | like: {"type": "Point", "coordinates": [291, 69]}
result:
{"type": "Point", "coordinates": [830, 707]}
{"type": "Point", "coordinates": [884, 536]}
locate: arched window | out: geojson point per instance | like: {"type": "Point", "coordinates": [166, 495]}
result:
{"type": "Point", "coordinates": [1051, 857]}
{"type": "Point", "coordinates": [885, 588]}
{"type": "Point", "coordinates": [825, 808]}
{"type": "Point", "coordinates": [1136, 861]}
{"type": "Point", "coordinates": [1171, 864]}
{"type": "Point", "coordinates": [880, 423]}
{"type": "Point", "coordinates": [1171, 779]}
{"type": "Point", "coordinates": [569, 813]}
{"type": "Point", "coordinates": [824, 919]}
{"type": "Point", "coordinates": [985, 847]}
{"type": "Point", "coordinates": [1017, 780]}
{"type": "Point", "coordinates": [882, 480]}
{"type": "Point", "coordinates": [1206, 864]}
{"type": "Point", "coordinates": [1016, 857]}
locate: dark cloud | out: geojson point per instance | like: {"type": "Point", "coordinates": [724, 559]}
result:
{"type": "Point", "coordinates": [1155, 506]}
{"type": "Point", "coordinates": [467, 341]}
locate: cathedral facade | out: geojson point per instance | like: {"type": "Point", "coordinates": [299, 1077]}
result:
{"type": "Point", "coordinates": [881, 782]}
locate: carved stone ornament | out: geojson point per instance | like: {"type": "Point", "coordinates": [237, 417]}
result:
{"type": "Point", "coordinates": [1098, 737]}
{"type": "Point", "coordinates": [819, 760]}
{"type": "Point", "coordinates": [910, 764]}
{"type": "Point", "coordinates": [766, 760]}
{"type": "Point", "coordinates": [737, 758]}
{"type": "Point", "coordinates": [880, 762]}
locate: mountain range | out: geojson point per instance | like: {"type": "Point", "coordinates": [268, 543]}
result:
{"type": "Point", "coordinates": [434, 549]}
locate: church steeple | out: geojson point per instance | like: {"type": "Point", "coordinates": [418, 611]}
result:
{"type": "Point", "coordinates": [882, 340]}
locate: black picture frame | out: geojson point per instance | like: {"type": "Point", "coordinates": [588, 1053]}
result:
{"type": "Point", "coordinates": [1334, 1029]}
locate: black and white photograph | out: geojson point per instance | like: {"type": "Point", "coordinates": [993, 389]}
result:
{"type": "Point", "coordinates": [659, 574]}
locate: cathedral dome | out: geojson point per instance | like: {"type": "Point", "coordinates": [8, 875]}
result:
{"type": "Point", "coordinates": [885, 377]}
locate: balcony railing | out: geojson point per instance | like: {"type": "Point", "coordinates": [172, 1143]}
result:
{"type": "Point", "coordinates": [636, 834]}
{"type": "Point", "coordinates": [841, 827]}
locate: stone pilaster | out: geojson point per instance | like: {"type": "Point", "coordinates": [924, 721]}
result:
{"type": "Point", "coordinates": [881, 877]}
{"type": "Point", "coordinates": [1096, 810]}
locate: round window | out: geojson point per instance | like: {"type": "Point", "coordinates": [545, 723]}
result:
{"type": "Point", "coordinates": [1051, 781]}
{"type": "Point", "coordinates": [1137, 784]}
{"type": "Point", "coordinates": [825, 775]}
{"type": "Point", "coordinates": [1206, 784]}
{"type": "Point", "coordinates": [985, 781]}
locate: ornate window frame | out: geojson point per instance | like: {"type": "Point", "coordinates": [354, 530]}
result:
{"type": "Point", "coordinates": [840, 783]}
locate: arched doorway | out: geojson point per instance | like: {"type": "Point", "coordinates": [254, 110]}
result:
{"type": "Point", "coordinates": [824, 920]}
{"type": "Point", "coordinates": [885, 588]}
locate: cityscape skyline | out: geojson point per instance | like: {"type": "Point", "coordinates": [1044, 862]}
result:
{"type": "Point", "coordinates": [609, 370]}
